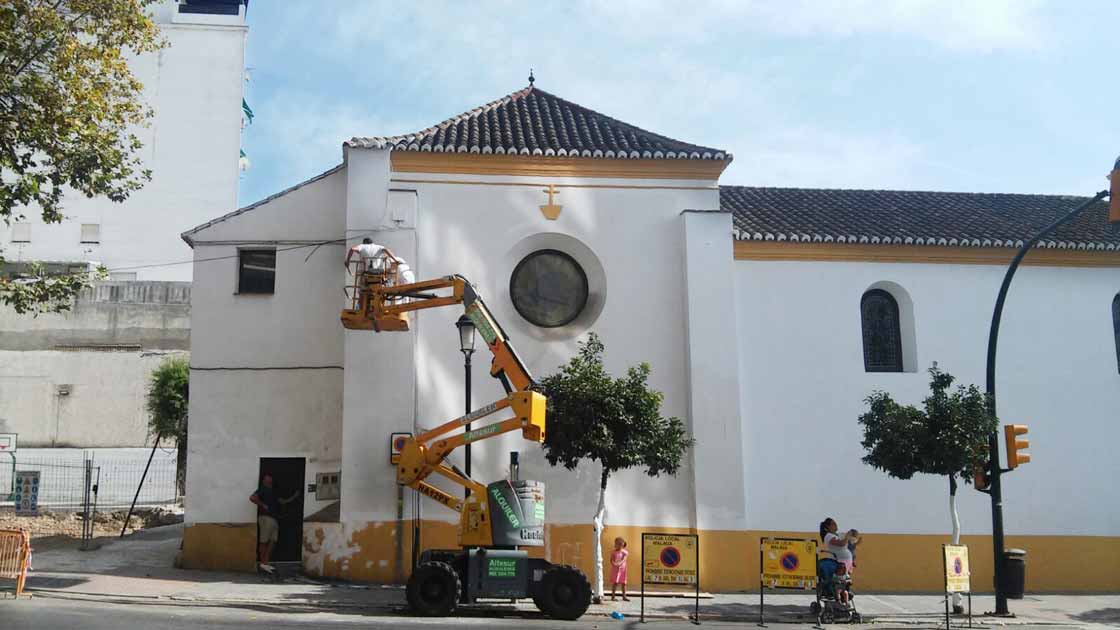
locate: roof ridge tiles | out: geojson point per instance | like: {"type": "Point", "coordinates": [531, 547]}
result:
{"type": "Point", "coordinates": [532, 121]}
{"type": "Point", "coordinates": [934, 218]}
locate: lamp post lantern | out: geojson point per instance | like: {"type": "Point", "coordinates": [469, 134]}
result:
{"type": "Point", "coordinates": [466, 346]}
{"type": "Point", "coordinates": [994, 471]}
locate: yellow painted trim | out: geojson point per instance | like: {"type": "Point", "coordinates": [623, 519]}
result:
{"type": "Point", "coordinates": [524, 165]}
{"type": "Point", "coordinates": [931, 254]}
{"type": "Point", "coordinates": [467, 182]}
{"type": "Point", "coordinates": [220, 547]}
{"type": "Point", "coordinates": [728, 559]}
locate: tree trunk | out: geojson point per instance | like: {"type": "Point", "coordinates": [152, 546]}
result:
{"type": "Point", "coordinates": [600, 512]}
{"type": "Point", "coordinates": [956, 527]}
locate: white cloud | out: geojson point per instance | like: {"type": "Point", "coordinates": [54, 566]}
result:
{"type": "Point", "coordinates": [980, 25]}
{"type": "Point", "coordinates": [672, 68]}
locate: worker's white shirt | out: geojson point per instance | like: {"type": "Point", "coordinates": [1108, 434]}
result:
{"type": "Point", "coordinates": [370, 253]}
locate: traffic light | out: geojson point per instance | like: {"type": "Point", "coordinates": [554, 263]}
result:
{"type": "Point", "coordinates": [1015, 445]}
{"type": "Point", "coordinates": [980, 478]}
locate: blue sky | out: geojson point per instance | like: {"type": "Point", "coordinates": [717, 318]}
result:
{"type": "Point", "coordinates": [992, 96]}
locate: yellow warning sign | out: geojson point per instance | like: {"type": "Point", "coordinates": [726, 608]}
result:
{"type": "Point", "coordinates": [669, 558]}
{"type": "Point", "coordinates": [957, 573]}
{"type": "Point", "coordinates": [789, 563]}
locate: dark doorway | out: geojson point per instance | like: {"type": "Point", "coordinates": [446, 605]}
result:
{"type": "Point", "coordinates": [287, 479]}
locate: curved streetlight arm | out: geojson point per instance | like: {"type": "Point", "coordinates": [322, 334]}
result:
{"type": "Point", "coordinates": [993, 440]}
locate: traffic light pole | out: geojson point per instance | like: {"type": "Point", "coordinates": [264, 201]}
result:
{"type": "Point", "coordinates": [993, 440]}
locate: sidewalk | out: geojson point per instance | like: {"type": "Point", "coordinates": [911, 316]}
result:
{"type": "Point", "coordinates": [139, 569]}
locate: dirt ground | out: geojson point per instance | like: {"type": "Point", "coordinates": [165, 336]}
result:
{"type": "Point", "coordinates": [53, 530]}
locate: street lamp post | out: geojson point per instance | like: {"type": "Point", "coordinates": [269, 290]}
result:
{"type": "Point", "coordinates": [994, 470]}
{"type": "Point", "coordinates": [466, 346]}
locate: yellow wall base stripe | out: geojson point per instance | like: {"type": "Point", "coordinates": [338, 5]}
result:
{"type": "Point", "coordinates": [728, 559]}
{"type": "Point", "coordinates": [220, 547]}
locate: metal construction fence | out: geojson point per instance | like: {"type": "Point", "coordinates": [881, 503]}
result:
{"type": "Point", "coordinates": [69, 483]}
{"type": "Point", "coordinates": [15, 552]}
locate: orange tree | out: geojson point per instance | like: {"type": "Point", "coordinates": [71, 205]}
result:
{"type": "Point", "coordinates": [948, 437]}
{"type": "Point", "coordinates": [69, 110]}
{"type": "Point", "coordinates": [614, 421]}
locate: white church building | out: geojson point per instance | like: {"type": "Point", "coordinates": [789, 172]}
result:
{"type": "Point", "coordinates": [767, 315]}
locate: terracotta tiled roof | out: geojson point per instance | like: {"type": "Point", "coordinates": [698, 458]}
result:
{"type": "Point", "coordinates": [535, 123]}
{"type": "Point", "coordinates": [896, 217]}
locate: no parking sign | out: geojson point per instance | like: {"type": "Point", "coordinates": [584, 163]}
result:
{"type": "Point", "coordinates": [671, 559]}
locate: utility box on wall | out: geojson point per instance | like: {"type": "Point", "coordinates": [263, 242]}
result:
{"type": "Point", "coordinates": [328, 486]}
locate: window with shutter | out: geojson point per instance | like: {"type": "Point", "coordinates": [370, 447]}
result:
{"type": "Point", "coordinates": [882, 335]}
{"type": "Point", "coordinates": [256, 271]}
{"type": "Point", "coordinates": [21, 232]}
{"type": "Point", "coordinates": [91, 233]}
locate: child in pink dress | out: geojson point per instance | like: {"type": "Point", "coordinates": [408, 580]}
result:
{"type": "Point", "coordinates": [618, 568]}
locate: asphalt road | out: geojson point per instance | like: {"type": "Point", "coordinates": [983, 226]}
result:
{"type": "Point", "coordinates": [41, 613]}
{"type": "Point", "coordinates": [48, 613]}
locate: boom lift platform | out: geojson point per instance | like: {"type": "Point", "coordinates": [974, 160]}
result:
{"type": "Point", "coordinates": [496, 520]}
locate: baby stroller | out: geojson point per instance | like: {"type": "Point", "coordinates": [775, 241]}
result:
{"type": "Point", "coordinates": [828, 607]}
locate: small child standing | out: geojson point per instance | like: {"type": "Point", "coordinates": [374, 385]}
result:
{"type": "Point", "coordinates": [841, 584]}
{"type": "Point", "coordinates": [618, 568]}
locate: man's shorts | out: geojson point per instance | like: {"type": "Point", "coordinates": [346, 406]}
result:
{"type": "Point", "coordinates": [269, 529]}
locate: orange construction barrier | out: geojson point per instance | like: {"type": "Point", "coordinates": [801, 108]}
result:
{"type": "Point", "coordinates": [15, 555]}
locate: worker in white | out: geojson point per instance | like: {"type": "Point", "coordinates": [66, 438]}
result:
{"type": "Point", "coordinates": [369, 253]}
{"type": "Point", "coordinates": [376, 258]}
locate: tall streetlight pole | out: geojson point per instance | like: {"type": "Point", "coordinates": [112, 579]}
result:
{"type": "Point", "coordinates": [994, 469]}
{"type": "Point", "coordinates": [466, 346]}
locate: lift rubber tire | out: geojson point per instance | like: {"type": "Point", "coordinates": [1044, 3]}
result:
{"type": "Point", "coordinates": [827, 616]}
{"type": "Point", "coordinates": [433, 589]}
{"type": "Point", "coordinates": [564, 593]}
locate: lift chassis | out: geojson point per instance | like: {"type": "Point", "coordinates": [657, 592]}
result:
{"type": "Point", "coordinates": [498, 520]}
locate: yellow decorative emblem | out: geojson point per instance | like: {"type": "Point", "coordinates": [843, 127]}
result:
{"type": "Point", "coordinates": [551, 211]}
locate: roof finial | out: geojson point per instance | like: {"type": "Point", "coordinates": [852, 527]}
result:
{"type": "Point", "coordinates": [531, 77]}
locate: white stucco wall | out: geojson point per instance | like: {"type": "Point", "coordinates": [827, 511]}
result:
{"type": "Point", "coordinates": [634, 233]}
{"type": "Point", "coordinates": [194, 87]}
{"type": "Point", "coordinates": [803, 383]}
{"type": "Point", "coordinates": [105, 406]}
{"type": "Point", "coordinates": [239, 415]}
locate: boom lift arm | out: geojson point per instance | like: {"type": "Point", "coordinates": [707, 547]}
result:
{"type": "Point", "coordinates": [381, 303]}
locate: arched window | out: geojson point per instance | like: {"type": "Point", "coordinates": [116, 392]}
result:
{"type": "Point", "coordinates": [1116, 326]}
{"type": "Point", "coordinates": [882, 336]}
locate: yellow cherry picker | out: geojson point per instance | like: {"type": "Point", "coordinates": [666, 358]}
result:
{"type": "Point", "coordinates": [496, 521]}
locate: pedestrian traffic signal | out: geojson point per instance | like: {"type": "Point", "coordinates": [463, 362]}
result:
{"type": "Point", "coordinates": [1016, 445]}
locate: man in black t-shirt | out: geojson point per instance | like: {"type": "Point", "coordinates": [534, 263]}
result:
{"type": "Point", "coordinates": [268, 527]}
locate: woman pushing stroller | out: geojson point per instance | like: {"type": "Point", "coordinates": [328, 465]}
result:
{"type": "Point", "coordinates": [842, 548]}
{"type": "Point", "coordinates": [834, 574]}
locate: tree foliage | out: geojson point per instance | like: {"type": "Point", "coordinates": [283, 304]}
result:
{"type": "Point", "coordinates": [948, 437]}
{"type": "Point", "coordinates": [168, 396]}
{"type": "Point", "coordinates": [69, 109]}
{"type": "Point", "coordinates": [614, 421]}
